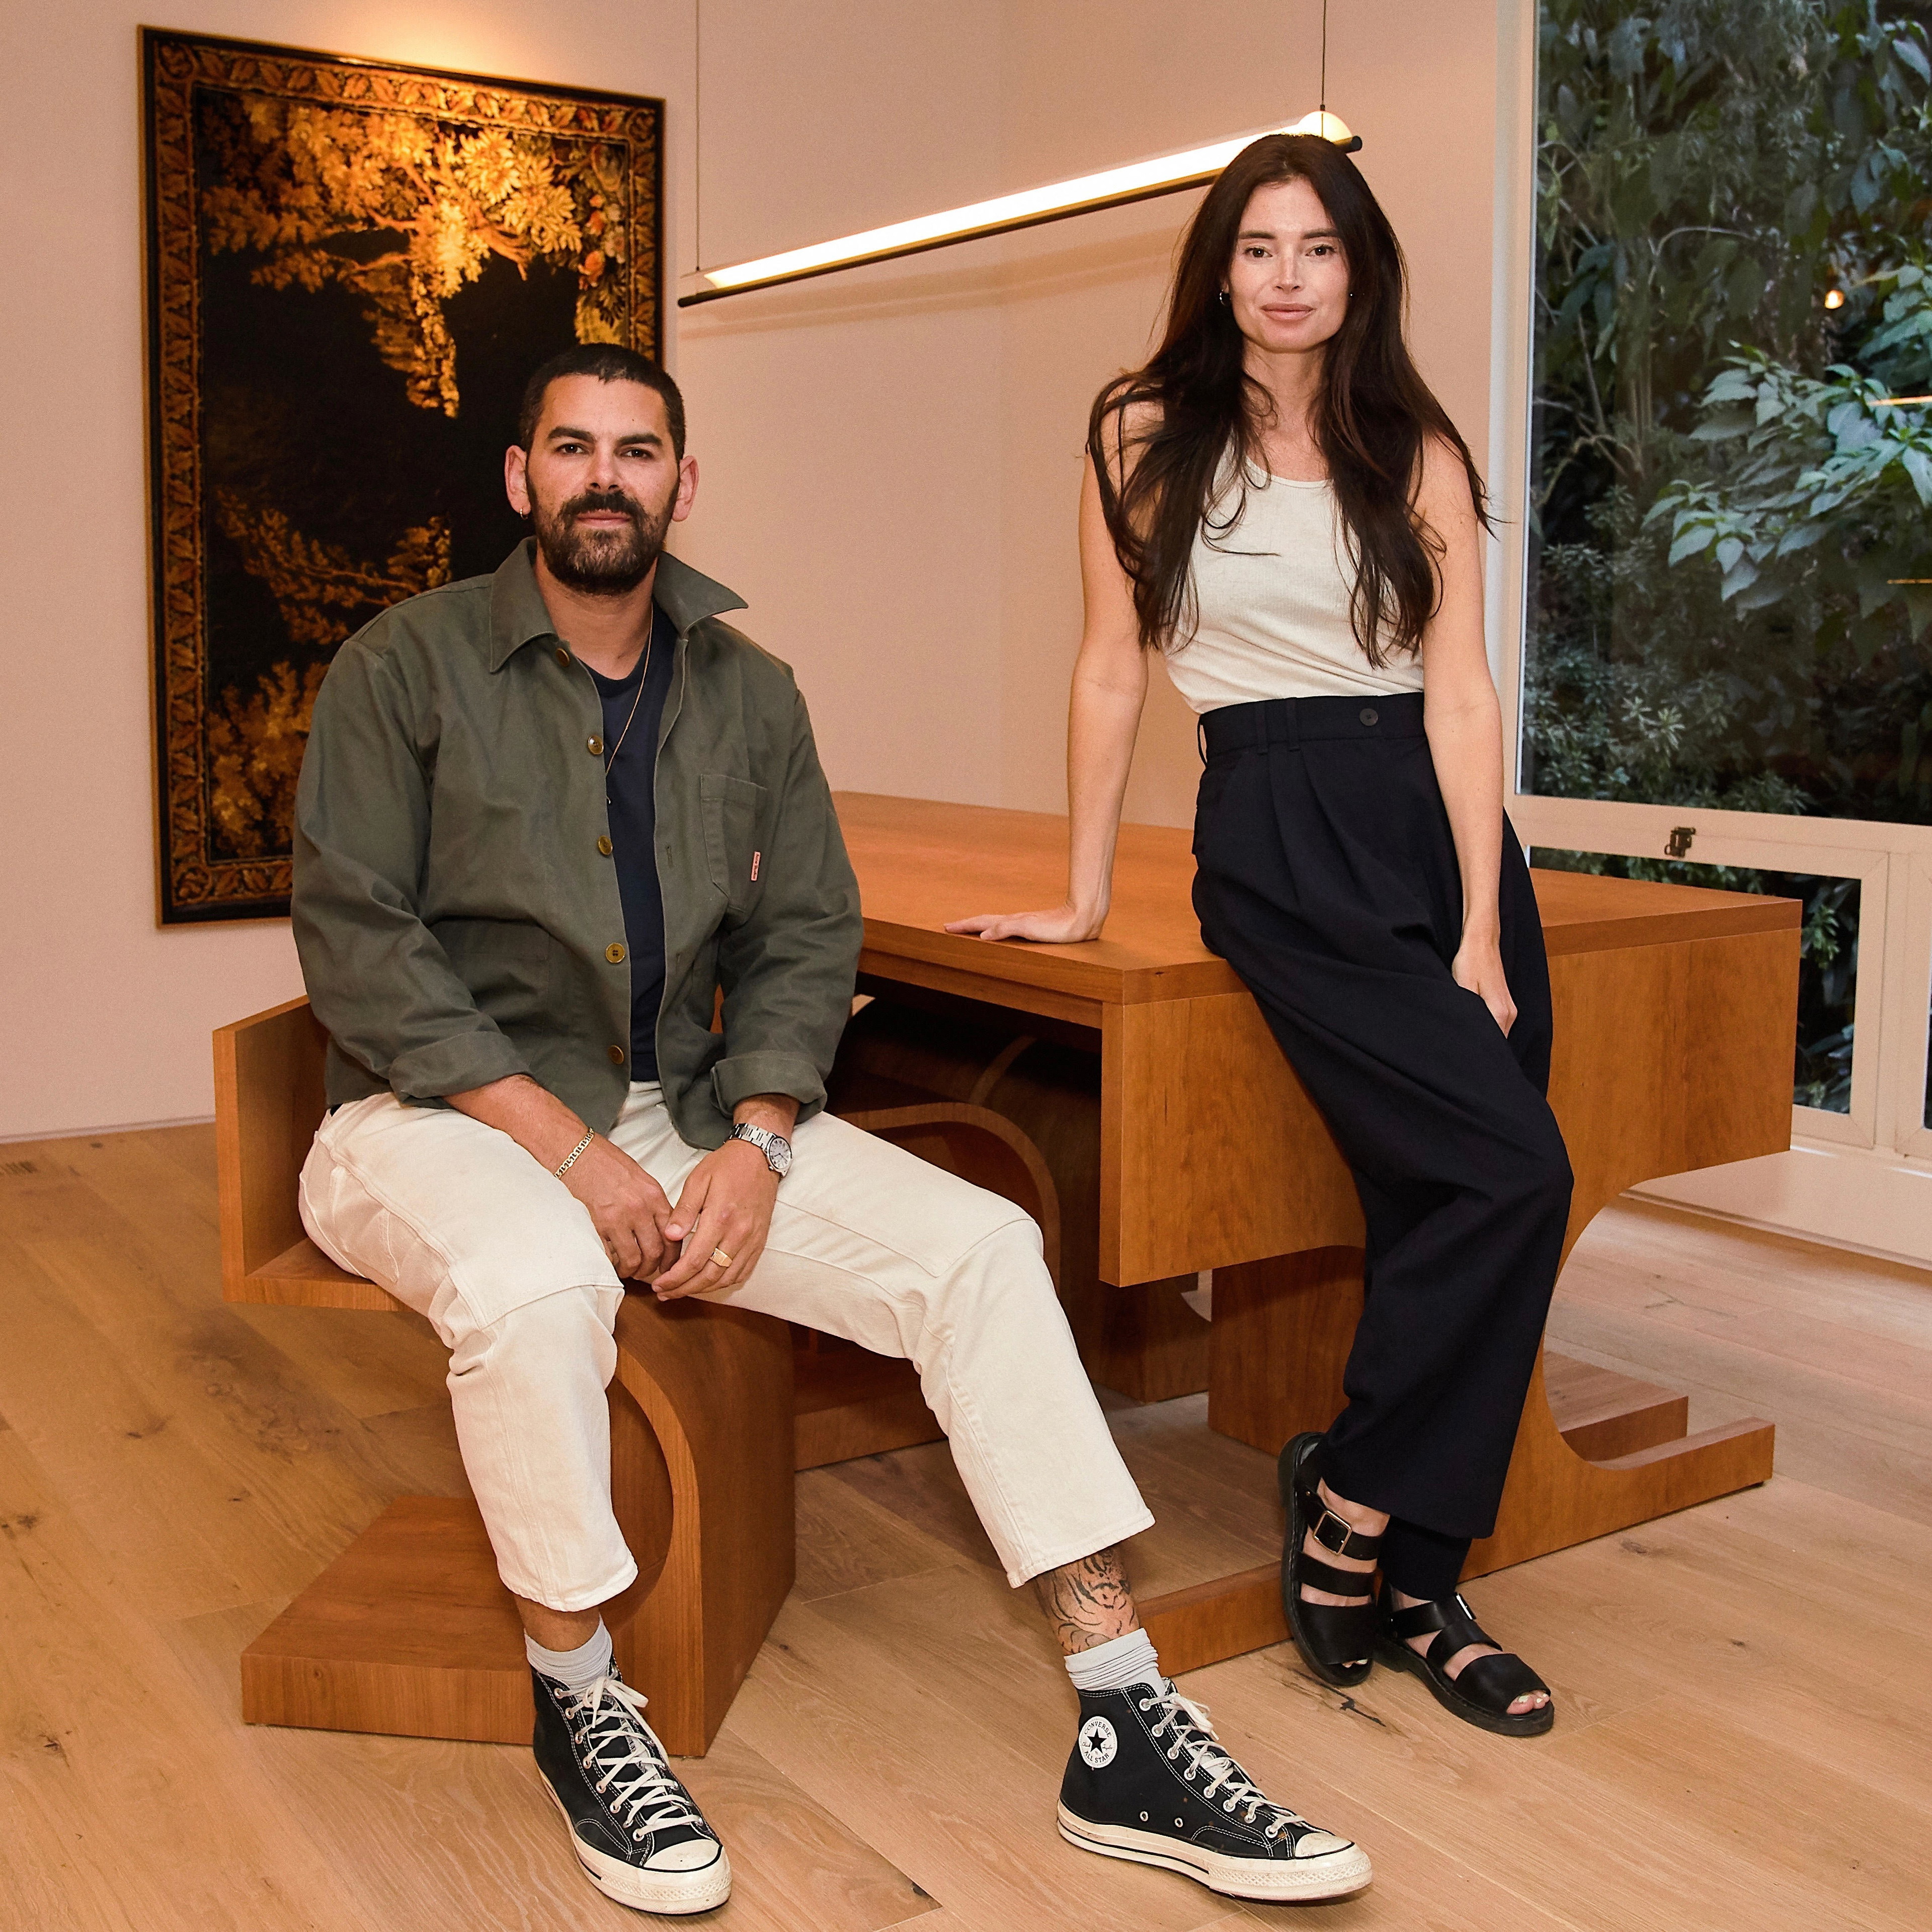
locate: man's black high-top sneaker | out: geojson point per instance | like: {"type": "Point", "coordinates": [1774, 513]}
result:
{"type": "Point", "coordinates": [1148, 1781]}
{"type": "Point", "coordinates": [634, 1828]}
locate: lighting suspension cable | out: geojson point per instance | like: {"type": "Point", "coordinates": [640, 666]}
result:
{"type": "Point", "coordinates": [1085, 194]}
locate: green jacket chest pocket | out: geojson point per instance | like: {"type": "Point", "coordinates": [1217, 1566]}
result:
{"type": "Point", "coordinates": [733, 810]}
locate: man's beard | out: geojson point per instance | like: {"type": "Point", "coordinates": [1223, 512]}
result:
{"type": "Point", "coordinates": [605, 562]}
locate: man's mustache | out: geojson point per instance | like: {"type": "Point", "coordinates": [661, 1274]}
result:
{"type": "Point", "coordinates": [621, 505]}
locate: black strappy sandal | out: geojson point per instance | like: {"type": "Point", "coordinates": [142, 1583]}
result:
{"type": "Point", "coordinates": [1482, 1691]}
{"type": "Point", "coordinates": [1337, 1641]}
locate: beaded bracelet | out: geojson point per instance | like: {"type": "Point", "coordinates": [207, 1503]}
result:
{"type": "Point", "coordinates": [571, 1159]}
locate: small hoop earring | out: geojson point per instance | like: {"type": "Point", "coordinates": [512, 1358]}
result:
{"type": "Point", "coordinates": [1223, 298]}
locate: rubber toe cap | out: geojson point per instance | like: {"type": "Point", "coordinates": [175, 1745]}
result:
{"type": "Point", "coordinates": [1321, 1844]}
{"type": "Point", "coordinates": [693, 1854]}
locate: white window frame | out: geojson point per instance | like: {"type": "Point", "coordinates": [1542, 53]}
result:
{"type": "Point", "coordinates": [1909, 1005]}
{"type": "Point", "coordinates": [1643, 832]}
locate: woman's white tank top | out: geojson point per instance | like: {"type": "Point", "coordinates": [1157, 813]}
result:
{"type": "Point", "coordinates": [1272, 595]}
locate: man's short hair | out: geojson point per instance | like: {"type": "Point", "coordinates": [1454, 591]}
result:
{"type": "Point", "coordinates": [608, 364]}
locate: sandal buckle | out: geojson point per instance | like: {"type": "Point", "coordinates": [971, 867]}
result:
{"type": "Point", "coordinates": [1321, 1522]}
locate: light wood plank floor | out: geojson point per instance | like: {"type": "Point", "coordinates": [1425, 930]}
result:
{"type": "Point", "coordinates": [1746, 1707]}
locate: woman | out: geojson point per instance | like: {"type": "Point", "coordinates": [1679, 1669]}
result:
{"type": "Point", "coordinates": [1278, 505]}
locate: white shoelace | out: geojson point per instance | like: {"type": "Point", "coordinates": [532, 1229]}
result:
{"type": "Point", "coordinates": [607, 1723]}
{"type": "Point", "coordinates": [1194, 1734]}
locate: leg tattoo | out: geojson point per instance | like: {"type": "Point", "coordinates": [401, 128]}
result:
{"type": "Point", "coordinates": [1088, 1602]}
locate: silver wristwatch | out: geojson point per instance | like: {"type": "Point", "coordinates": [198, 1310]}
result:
{"type": "Point", "coordinates": [776, 1148]}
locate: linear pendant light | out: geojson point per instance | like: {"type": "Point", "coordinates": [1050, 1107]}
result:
{"type": "Point", "coordinates": [1112, 187]}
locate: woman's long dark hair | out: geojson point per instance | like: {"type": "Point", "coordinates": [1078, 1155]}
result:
{"type": "Point", "coordinates": [1159, 436]}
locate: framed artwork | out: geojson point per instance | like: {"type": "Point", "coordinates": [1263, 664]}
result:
{"type": "Point", "coordinates": [352, 268]}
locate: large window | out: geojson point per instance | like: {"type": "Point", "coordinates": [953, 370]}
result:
{"type": "Point", "coordinates": [1726, 670]}
{"type": "Point", "coordinates": [1730, 597]}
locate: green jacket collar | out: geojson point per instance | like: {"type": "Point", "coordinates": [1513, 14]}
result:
{"type": "Point", "coordinates": [688, 596]}
{"type": "Point", "coordinates": [518, 615]}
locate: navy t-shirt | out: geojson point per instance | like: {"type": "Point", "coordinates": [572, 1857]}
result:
{"type": "Point", "coordinates": [634, 819]}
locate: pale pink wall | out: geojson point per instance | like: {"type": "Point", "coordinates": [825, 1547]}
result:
{"type": "Point", "coordinates": [105, 1018]}
{"type": "Point", "coordinates": [847, 429]}
{"type": "Point", "coordinates": [889, 458]}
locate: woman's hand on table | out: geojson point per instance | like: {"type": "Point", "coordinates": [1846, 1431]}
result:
{"type": "Point", "coordinates": [1063, 925]}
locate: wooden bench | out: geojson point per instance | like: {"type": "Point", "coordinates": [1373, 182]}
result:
{"type": "Point", "coordinates": [713, 1409]}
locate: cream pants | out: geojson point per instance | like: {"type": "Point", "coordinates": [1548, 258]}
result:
{"type": "Point", "coordinates": [867, 1242]}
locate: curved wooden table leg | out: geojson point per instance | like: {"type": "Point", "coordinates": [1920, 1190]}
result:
{"type": "Point", "coordinates": [713, 1386]}
{"type": "Point", "coordinates": [1281, 1335]}
{"type": "Point", "coordinates": [1555, 1497]}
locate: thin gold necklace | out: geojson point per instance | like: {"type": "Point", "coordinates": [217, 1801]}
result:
{"type": "Point", "coordinates": [644, 678]}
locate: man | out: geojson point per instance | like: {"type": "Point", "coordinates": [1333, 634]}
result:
{"type": "Point", "coordinates": [543, 816]}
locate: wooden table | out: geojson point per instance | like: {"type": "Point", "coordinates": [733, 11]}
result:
{"type": "Point", "coordinates": [1674, 1013]}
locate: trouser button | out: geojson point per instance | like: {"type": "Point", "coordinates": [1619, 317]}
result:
{"type": "Point", "coordinates": [1370, 716]}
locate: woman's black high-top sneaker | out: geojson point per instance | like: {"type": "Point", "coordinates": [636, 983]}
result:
{"type": "Point", "coordinates": [636, 1830]}
{"type": "Point", "coordinates": [1149, 1781]}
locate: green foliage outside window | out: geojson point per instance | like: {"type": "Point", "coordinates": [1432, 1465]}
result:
{"type": "Point", "coordinates": [1731, 543]}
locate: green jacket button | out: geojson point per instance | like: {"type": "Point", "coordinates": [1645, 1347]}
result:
{"type": "Point", "coordinates": [616, 1053]}
{"type": "Point", "coordinates": [595, 747]}
{"type": "Point", "coordinates": [603, 846]}
{"type": "Point", "coordinates": [614, 953]}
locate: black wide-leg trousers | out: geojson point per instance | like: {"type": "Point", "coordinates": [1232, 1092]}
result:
{"type": "Point", "coordinates": [1327, 877]}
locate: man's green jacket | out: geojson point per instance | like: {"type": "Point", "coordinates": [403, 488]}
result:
{"type": "Point", "coordinates": [456, 911]}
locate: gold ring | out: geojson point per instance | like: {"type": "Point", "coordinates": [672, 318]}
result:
{"type": "Point", "coordinates": [718, 1255]}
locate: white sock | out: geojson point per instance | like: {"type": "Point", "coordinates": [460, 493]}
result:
{"type": "Point", "coordinates": [1120, 1661]}
{"type": "Point", "coordinates": [576, 1669]}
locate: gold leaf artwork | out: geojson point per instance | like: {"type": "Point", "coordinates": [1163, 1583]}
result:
{"type": "Point", "coordinates": [405, 211]}
{"type": "Point", "coordinates": [255, 746]}
{"type": "Point", "coordinates": [255, 741]}
{"type": "Point", "coordinates": [314, 584]}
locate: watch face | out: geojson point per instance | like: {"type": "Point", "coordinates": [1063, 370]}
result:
{"type": "Point", "coordinates": [776, 1148]}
